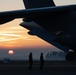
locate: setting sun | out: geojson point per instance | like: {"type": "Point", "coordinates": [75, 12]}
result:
{"type": "Point", "coordinates": [10, 52]}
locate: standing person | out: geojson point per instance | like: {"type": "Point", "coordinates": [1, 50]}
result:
{"type": "Point", "coordinates": [30, 61]}
{"type": "Point", "coordinates": [41, 61]}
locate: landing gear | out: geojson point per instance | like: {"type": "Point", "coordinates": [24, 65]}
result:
{"type": "Point", "coordinates": [70, 56]}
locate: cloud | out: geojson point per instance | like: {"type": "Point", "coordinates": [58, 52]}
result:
{"type": "Point", "coordinates": [4, 37]}
{"type": "Point", "coordinates": [5, 40]}
{"type": "Point", "coordinates": [5, 34]}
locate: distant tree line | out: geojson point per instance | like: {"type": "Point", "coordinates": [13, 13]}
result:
{"type": "Point", "coordinates": [55, 54]}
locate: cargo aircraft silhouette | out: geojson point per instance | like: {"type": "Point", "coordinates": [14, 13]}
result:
{"type": "Point", "coordinates": [54, 24]}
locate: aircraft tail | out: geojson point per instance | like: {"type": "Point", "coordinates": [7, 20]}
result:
{"type": "Point", "coordinates": [38, 3]}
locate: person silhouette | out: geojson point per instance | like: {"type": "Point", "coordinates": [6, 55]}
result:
{"type": "Point", "coordinates": [41, 61]}
{"type": "Point", "coordinates": [30, 61]}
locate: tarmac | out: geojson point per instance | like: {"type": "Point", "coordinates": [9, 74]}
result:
{"type": "Point", "coordinates": [49, 68]}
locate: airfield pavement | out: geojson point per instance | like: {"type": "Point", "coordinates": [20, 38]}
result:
{"type": "Point", "coordinates": [50, 68]}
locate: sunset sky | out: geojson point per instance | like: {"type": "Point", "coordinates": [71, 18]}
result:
{"type": "Point", "coordinates": [14, 37]}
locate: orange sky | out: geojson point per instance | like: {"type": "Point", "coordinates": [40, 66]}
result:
{"type": "Point", "coordinates": [13, 35]}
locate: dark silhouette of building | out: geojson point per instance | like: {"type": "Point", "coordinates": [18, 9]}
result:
{"type": "Point", "coordinates": [70, 56]}
{"type": "Point", "coordinates": [41, 61]}
{"type": "Point", "coordinates": [30, 61]}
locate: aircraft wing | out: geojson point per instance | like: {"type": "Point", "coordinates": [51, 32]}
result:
{"type": "Point", "coordinates": [35, 29]}
{"type": "Point", "coordinates": [32, 14]}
